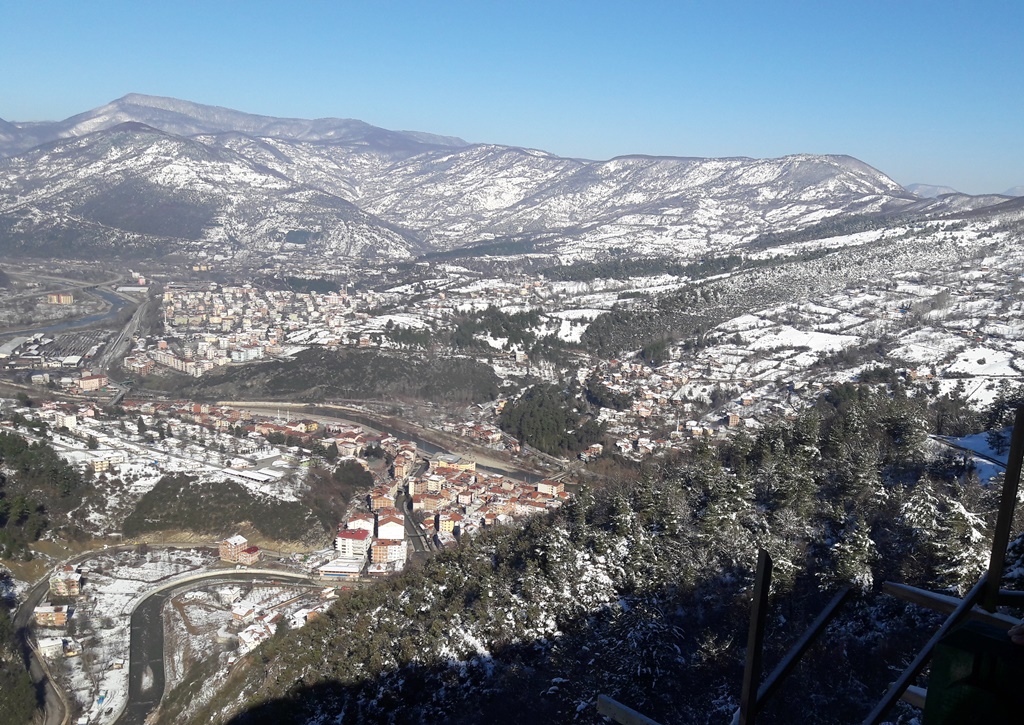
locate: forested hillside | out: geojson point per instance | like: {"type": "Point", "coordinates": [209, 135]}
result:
{"type": "Point", "coordinates": [316, 374]}
{"type": "Point", "coordinates": [640, 590]}
{"type": "Point", "coordinates": [36, 486]}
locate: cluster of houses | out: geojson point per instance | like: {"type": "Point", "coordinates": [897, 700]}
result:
{"type": "Point", "coordinates": [76, 383]}
{"type": "Point", "coordinates": [215, 325]}
{"type": "Point", "coordinates": [453, 499]}
{"type": "Point", "coordinates": [449, 501]}
{"type": "Point", "coordinates": [65, 582]}
{"type": "Point", "coordinates": [259, 617]}
{"type": "Point", "coordinates": [484, 433]}
{"type": "Point", "coordinates": [373, 543]}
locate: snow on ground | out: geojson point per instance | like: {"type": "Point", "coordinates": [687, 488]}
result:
{"type": "Point", "coordinates": [928, 346]}
{"type": "Point", "coordinates": [790, 337]}
{"type": "Point", "coordinates": [980, 443]}
{"type": "Point", "coordinates": [980, 391]}
{"type": "Point", "coordinates": [989, 462]}
{"type": "Point", "coordinates": [982, 360]}
{"type": "Point", "coordinates": [114, 583]}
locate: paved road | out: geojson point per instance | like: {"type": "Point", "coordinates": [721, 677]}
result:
{"type": "Point", "coordinates": [956, 446]}
{"type": "Point", "coordinates": [67, 285]}
{"type": "Point", "coordinates": [420, 542]}
{"type": "Point", "coordinates": [54, 711]}
{"type": "Point", "coordinates": [118, 347]}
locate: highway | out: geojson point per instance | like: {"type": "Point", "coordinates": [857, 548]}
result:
{"type": "Point", "coordinates": [116, 348]}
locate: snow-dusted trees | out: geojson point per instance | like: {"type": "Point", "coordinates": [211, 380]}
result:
{"type": "Point", "coordinates": [962, 547]}
{"type": "Point", "coordinates": [852, 556]}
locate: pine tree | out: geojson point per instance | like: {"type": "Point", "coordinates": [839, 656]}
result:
{"type": "Point", "coordinates": [852, 556]}
{"type": "Point", "coordinates": [962, 547]}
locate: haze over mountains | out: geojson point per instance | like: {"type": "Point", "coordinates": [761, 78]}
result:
{"type": "Point", "coordinates": [149, 176]}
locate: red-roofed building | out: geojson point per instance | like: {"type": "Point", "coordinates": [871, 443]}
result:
{"type": "Point", "coordinates": [391, 526]}
{"type": "Point", "coordinates": [230, 549]}
{"type": "Point", "coordinates": [550, 488]}
{"type": "Point", "coordinates": [352, 543]}
{"type": "Point", "coordinates": [381, 498]}
{"type": "Point", "coordinates": [360, 521]}
{"type": "Point", "coordinates": [249, 555]}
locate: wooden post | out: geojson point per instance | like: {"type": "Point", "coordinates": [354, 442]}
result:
{"type": "Point", "coordinates": [1001, 538]}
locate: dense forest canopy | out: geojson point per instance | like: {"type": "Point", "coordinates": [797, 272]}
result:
{"type": "Point", "coordinates": [37, 488]}
{"type": "Point", "coordinates": [545, 418]}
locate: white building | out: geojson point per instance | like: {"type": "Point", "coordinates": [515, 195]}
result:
{"type": "Point", "coordinates": [391, 526]}
{"type": "Point", "coordinates": [353, 543]}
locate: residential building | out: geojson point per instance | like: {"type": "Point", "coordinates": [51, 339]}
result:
{"type": "Point", "coordinates": [50, 647]}
{"type": "Point", "coordinates": [385, 550]}
{"type": "Point", "coordinates": [249, 556]}
{"type": "Point", "coordinates": [353, 543]}
{"type": "Point", "coordinates": [391, 526]}
{"type": "Point", "coordinates": [66, 582]}
{"type": "Point", "coordinates": [550, 488]}
{"type": "Point", "coordinates": [49, 615]}
{"type": "Point", "coordinates": [360, 521]}
{"type": "Point", "coordinates": [230, 549]}
{"type": "Point", "coordinates": [243, 612]}
{"type": "Point", "coordinates": [92, 382]}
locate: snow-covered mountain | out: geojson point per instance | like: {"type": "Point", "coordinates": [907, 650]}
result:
{"type": "Point", "coordinates": [184, 118]}
{"type": "Point", "coordinates": [152, 175]}
{"type": "Point", "coordinates": [134, 189]}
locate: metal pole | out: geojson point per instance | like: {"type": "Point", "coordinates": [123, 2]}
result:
{"type": "Point", "coordinates": [795, 653]}
{"type": "Point", "coordinates": [755, 639]}
{"type": "Point", "coordinates": [1001, 538]}
{"type": "Point", "coordinates": [914, 669]}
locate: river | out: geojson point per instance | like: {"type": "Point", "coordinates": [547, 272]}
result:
{"type": "Point", "coordinates": [146, 676]}
{"type": "Point", "coordinates": [116, 304]}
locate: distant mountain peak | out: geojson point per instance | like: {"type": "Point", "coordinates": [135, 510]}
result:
{"type": "Point", "coordinates": [930, 191]}
{"type": "Point", "coordinates": [187, 118]}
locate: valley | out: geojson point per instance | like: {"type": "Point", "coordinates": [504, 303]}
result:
{"type": "Point", "coordinates": [510, 414]}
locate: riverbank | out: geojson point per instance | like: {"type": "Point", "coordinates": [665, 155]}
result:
{"type": "Point", "coordinates": [114, 303]}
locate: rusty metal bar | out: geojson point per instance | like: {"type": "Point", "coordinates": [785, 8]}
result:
{"type": "Point", "coordinates": [897, 688]}
{"type": "Point", "coordinates": [1008, 501]}
{"type": "Point", "coordinates": [792, 657]}
{"type": "Point", "coordinates": [755, 640]}
{"type": "Point", "coordinates": [945, 604]}
{"type": "Point", "coordinates": [620, 713]}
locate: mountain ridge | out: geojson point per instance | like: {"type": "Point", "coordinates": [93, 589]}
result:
{"type": "Point", "coordinates": [363, 191]}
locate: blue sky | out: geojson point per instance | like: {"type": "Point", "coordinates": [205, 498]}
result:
{"type": "Point", "coordinates": [928, 92]}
